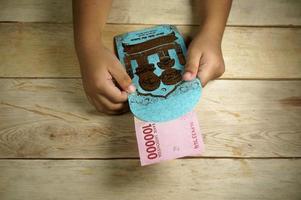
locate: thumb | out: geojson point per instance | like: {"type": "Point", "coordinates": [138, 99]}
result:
{"type": "Point", "coordinates": [122, 78]}
{"type": "Point", "coordinates": [192, 65]}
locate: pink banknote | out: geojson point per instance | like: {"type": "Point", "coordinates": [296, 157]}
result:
{"type": "Point", "coordinates": [168, 140]}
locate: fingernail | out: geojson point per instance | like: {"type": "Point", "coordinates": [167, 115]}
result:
{"type": "Point", "coordinates": [131, 89]}
{"type": "Point", "coordinates": [187, 76]}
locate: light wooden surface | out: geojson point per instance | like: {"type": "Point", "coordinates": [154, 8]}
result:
{"type": "Point", "coordinates": [54, 145]}
{"type": "Point", "coordinates": [51, 118]}
{"type": "Point", "coordinates": [47, 50]}
{"type": "Point", "coordinates": [244, 12]}
{"type": "Point", "coordinates": [125, 179]}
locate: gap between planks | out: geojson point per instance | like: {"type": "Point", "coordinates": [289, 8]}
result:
{"type": "Point", "coordinates": [146, 24]}
{"type": "Point", "coordinates": [230, 79]}
{"type": "Point", "coordinates": [185, 158]}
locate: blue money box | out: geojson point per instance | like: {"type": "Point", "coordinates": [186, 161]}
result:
{"type": "Point", "coordinates": [155, 58]}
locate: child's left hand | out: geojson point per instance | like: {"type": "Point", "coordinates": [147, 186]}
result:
{"type": "Point", "coordinates": [204, 58]}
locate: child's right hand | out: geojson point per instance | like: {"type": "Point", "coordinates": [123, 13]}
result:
{"type": "Point", "coordinates": [100, 69]}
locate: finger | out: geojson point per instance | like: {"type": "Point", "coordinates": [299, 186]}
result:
{"type": "Point", "coordinates": [90, 99]}
{"type": "Point", "coordinates": [118, 112]}
{"type": "Point", "coordinates": [205, 75]}
{"type": "Point", "coordinates": [113, 93]}
{"type": "Point", "coordinates": [108, 107]}
{"type": "Point", "coordinates": [192, 65]}
{"type": "Point", "coordinates": [97, 105]}
{"type": "Point", "coordinates": [123, 79]}
{"type": "Point", "coordinates": [102, 109]}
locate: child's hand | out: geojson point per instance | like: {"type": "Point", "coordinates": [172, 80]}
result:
{"type": "Point", "coordinates": [100, 68]}
{"type": "Point", "coordinates": [204, 59]}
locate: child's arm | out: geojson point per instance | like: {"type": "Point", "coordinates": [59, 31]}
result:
{"type": "Point", "coordinates": [204, 56]}
{"type": "Point", "coordinates": [98, 64]}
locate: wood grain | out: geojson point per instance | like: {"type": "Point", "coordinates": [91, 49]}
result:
{"type": "Point", "coordinates": [47, 50]}
{"type": "Point", "coordinates": [178, 179]}
{"type": "Point", "coordinates": [244, 12]}
{"type": "Point", "coordinates": [51, 118]}
{"type": "Point", "coordinates": [251, 128]}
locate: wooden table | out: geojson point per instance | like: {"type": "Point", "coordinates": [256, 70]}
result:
{"type": "Point", "coordinates": [54, 145]}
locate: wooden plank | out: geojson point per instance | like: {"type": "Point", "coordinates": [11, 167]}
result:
{"type": "Point", "coordinates": [46, 50]}
{"type": "Point", "coordinates": [180, 179]}
{"type": "Point", "coordinates": [244, 12]}
{"type": "Point", "coordinates": [51, 118]}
